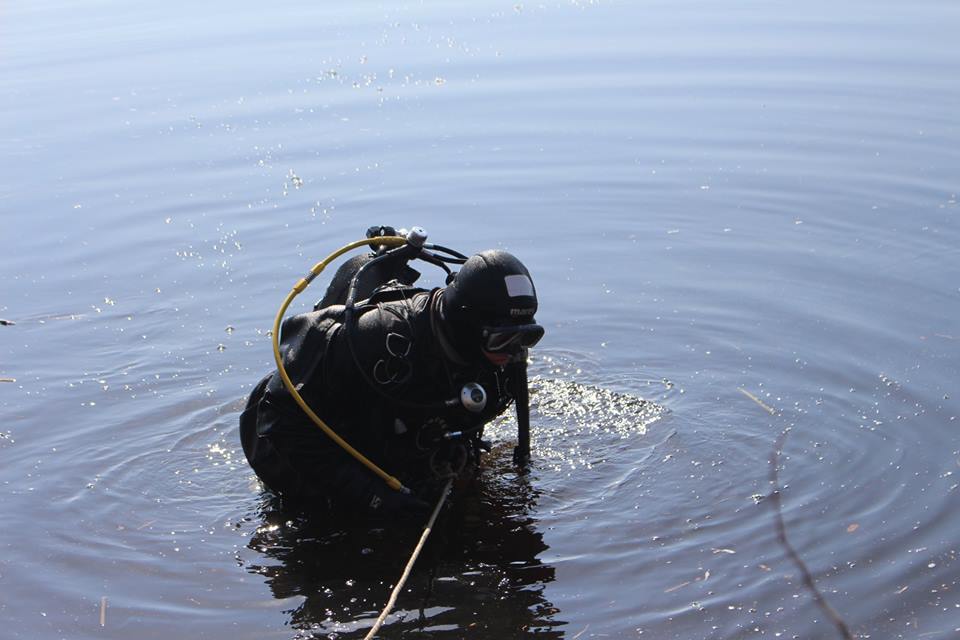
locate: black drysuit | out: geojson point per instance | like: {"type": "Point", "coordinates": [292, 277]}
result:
{"type": "Point", "coordinates": [393, 412]}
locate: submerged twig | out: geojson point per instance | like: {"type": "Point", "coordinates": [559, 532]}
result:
{"type": "Point", "coordinates": [103, 611]}
{"type": "Point", "coordinates": [781, 527]}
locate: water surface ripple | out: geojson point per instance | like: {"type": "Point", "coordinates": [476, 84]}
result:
{"type": "Point", "coordinates": [742, 220]}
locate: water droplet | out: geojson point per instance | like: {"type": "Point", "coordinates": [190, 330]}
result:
{"type": "Point", "coordinates": [295, 180]}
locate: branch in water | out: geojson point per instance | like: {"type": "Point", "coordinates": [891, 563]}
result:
{"type": "Point", "coordinates": [776, 499]}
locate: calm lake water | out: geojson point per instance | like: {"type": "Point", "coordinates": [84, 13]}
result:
{"type": "Point", "coordinates": [727, 207]}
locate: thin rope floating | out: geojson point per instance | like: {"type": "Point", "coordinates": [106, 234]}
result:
{"type": "Point", "coordinates": [413, 558]}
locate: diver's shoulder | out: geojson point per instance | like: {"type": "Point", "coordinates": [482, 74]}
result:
{"type": "Point", "coordinates": [319, 320]}
{"type": "Point", "coordinates": [400, 293]}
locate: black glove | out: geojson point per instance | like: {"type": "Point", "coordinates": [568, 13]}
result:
{"type": "Point", "coordinates": [393, 504]}
{"type": "Point", "coordinates": [360, 491]}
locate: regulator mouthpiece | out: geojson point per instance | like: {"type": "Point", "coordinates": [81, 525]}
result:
{"type": "Point", "coordinates": [473, 397]}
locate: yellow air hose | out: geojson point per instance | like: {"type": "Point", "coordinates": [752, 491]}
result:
{"type": "Point", "coordinates": [390, 241]}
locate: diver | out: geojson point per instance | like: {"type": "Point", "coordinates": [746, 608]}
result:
{"type": "Point", "coordinates": [407, 376]}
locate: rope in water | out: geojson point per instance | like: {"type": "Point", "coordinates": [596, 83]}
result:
{"type": "Point", "coordinates": [413, 558]}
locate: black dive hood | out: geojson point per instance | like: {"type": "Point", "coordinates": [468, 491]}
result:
{"type": "Point", "coordinates": [492, 289]}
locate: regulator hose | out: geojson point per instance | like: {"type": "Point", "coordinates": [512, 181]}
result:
{"type": "Point", "coordinates": [390, 241]}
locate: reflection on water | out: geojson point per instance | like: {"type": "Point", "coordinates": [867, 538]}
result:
{"type": "Point", "coordinates": [480, 572]}
{"type": "Point", "coordinates": [483, 569]}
